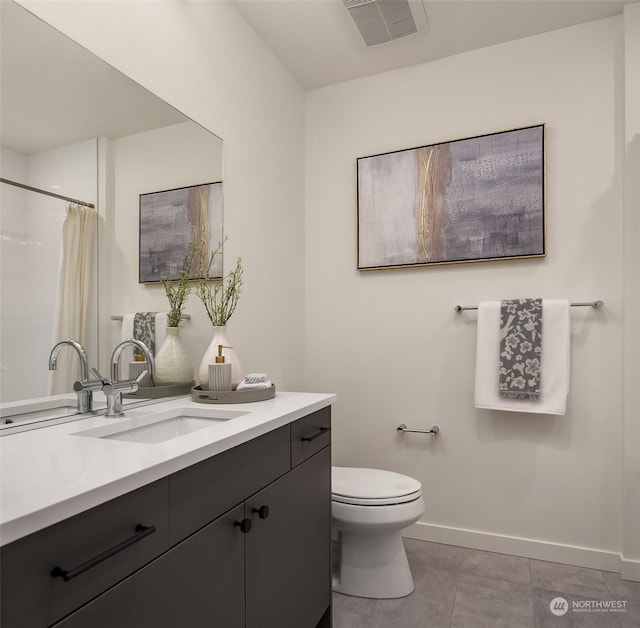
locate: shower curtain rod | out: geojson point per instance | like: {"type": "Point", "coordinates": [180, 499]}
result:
{"type": "Point", "coordinates": [31, 189]}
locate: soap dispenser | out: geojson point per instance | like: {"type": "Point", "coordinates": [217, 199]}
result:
{"type": "Point", "coordinates": [220, 373]}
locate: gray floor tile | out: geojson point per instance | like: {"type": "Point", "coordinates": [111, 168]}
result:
{"type": "Point", "coordinates": [568, 579]}
{"type": "Point", "coordinates": [429, 606]}
{"type": "Point", "coordinates": [351, 612]}
{"type": "Point", "coordinates": [499, 566]}
{"type": "Point", "coordinates": [578, 612]}
{"type": "Point", "coordinates": [492, 603]}
{"type": "Point", "coordinates": [628, 592]}
{"type": "Point", "coordinates": [434, 555]}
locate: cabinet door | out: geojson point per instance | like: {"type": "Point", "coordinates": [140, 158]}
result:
{"type": "Point", "coordinates": [198, 583]}
{"type": "Point", "coordinates": [288, 553]}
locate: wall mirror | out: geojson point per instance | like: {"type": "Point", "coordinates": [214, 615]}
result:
{"type": "Point", "coordinates": [61, 106]}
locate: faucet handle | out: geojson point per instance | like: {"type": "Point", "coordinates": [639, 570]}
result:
{"type": "Point", "coordinates": [95, 373]}
{"type": "Point", "coordinates": [124, 386]}
{"type": "Point", "coordinates": [90, 385]}
{"type": "Point", "coordinates": [140, 377]}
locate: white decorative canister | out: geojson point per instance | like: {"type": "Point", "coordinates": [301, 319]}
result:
{"type": "Point", "coordinates": [173, 365]}
{"type": "Point", "coordinates": [220, 338]}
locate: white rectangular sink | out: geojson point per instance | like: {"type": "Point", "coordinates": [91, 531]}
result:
{"type": "Point", "coordinates": [163, 430]}
{"type": "Point", "coordinates": [37, 410]}
{"type": "Point", "coordinates": [162, 426]}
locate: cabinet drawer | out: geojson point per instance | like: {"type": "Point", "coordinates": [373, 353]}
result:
{"type": "Point", "coordinates": [32, 597]}
{"type": "Point", "coordinates": [202, 492]}
{"type": "Point", "coordinates": [310, 434]}
{"type": "Point", "coordinates": [198, 583]}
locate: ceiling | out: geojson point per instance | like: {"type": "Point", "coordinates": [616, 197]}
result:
{"type": "Point", "coordinates": [318, 42]}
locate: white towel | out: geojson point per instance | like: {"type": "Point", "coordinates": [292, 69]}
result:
{"type": "Point", "coordinates": [161, 330]}
{"type": "Point", "coordinates": [555, 360]}
{"type": "Point", "coordinates": [127, 326]}
{"type": "Point", "coordinates": [127, 354]}
{"type": "Point", "coordinates": [255, 381]}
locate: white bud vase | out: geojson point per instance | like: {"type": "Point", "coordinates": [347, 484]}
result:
{"type": "Point", "coordinates": [219, 338]}
{"type": "Point", "coordinates": [173, 365]}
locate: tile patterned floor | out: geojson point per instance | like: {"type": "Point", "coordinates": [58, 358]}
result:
{"type": "Point", "coordinates": [464, 588]}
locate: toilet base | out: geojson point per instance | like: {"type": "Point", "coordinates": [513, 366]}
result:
{"type": "Point", "coordinates": [372, 565]}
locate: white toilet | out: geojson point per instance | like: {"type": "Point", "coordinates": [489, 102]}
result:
{"type": "Point", "coordinates": [369, 507]}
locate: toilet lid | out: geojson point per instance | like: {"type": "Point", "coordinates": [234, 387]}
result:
{"type": "Point", "coordinates": [353, 485]}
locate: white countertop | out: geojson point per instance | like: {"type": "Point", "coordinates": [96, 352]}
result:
{"type": "Point", "coordinates": [51, 473]}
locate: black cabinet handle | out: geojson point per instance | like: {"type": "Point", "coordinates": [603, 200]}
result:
{"type": "Point", "coordinates": [263, 512]}
{"type": "Point", "coordinates": [308, 439]}
{"type": "Point", "coordinates": [244, 525]}
{"type": "Point", "coordinates": [66, 575]}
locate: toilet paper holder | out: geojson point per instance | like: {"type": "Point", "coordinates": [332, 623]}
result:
{"type": "Point", "coordinates": [433, 431]}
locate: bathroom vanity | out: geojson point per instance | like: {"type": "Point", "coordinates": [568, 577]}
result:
{"type": "Point", "coordinates": [227, 526]}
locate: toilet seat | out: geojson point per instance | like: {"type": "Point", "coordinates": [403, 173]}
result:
{"type": "Point", "coordinates": [372, 487]}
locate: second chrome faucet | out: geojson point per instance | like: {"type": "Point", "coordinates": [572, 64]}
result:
{"type": "Point", "coordinates": [115, 388]}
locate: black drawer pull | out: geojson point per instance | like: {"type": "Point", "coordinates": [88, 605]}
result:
{"type": "Point", "coordinates": [308, 439]}
{"type": "Point", "coordinates": [66, 575]}
{"type": "Point", "coordinates": [244, 525]}
{"type": "Point", "coordinates": [263, 512]}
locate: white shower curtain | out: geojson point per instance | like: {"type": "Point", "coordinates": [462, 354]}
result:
{"type": "Point", "coordinates": [75, 292]}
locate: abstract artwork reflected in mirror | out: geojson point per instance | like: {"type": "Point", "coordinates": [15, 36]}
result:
{"type": "Point", "coordinates": [170, 221]}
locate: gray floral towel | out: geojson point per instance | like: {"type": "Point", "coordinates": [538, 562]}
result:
{"type": "Point", "coordinates": [144, 329]}
{"type": "Point", "coordinates": [520, 348]}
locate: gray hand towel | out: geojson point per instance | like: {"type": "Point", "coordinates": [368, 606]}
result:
{"type": "Point", "coordinates": [520, 348]}
{"type": "Point", "coordinates": [144, 329]}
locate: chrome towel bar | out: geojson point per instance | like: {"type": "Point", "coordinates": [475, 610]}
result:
{"type": "Point", "coordinates": [119, 317]}
{"type": "Point", "coordinates": [433, 431]}
{"type": "Point", "coordinates": [594, 304]}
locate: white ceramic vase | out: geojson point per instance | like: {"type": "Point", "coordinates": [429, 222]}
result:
{"type": "Point", "coordinates": [220, 338]}
{"type": "Point", "coordinates": [173, 365]}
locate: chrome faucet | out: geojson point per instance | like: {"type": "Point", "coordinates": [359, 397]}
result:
{"type": "Point", "coordinates": [85, 396]}
{"type": "Point", "coordinates": [114, 389]}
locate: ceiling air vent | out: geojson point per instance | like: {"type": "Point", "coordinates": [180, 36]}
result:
{"type": "Point", "coordinates": [381, 20]}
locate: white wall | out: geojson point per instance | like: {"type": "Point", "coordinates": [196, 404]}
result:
{"type": "Point", "coordinates": [31, 249]}
{"type": "Point", "coordinates": [631, 499]}
{"type": "Point", "coordinates": [219, 73]}
{"type": "Point", "coordinates": [392, 348]}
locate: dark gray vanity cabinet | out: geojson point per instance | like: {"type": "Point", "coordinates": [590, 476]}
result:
{"type": "Point", "coordinates": [247, 545]}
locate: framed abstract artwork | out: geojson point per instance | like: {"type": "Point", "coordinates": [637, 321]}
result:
{"type": "Point", "coordinates": [474, 199]}
{"type": "Point", "coordinates": [169, 220]}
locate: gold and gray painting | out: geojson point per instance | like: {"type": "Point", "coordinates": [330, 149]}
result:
{"type": "Point", "coordinates": [467, 200]}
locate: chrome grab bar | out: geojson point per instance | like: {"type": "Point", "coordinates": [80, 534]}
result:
{"type": "Point", "coordinates": [433, 431]}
